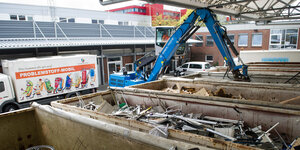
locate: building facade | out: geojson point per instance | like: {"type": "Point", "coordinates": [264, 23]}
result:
{"type": "Point", "coordinates": [247, 37]}
{"type": "Point", "coordinates": [152, 10]}
{"type": "Point", "coordinates": [21, 12]}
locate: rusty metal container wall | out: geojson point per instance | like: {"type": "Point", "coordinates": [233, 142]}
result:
{"type": "Point", "coordinates": [249, 91]}
{"type": "Point", "coordinates": [18, 130]}
{"type": "Point", "coordinates": [30, 127]}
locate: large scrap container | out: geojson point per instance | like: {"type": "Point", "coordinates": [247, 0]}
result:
{"type": "Point", "coordinates": [44, 125]}
{"type": "Point", "coordinates": [259, 105]}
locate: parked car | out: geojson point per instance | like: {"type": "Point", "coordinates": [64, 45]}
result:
{"type": "Point", "coordinates": [192, 67]}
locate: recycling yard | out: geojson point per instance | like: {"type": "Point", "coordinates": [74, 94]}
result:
{"type": "Point", "coordinates": [150, 75]}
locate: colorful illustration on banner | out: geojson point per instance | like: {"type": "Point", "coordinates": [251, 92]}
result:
{"type": "Point", "coordinates": [77, 80]}
{"type": "Point", "coordinates": [48, 86]}
{"type": "Point", "coordinates": [58, 85]}
{"type": "Point", "coordinates": [68, 84]}
{"type": "Point", "coordinates": [28, 90]}
{"type": "Point", "coordinates": [39, 87]}
{"type": "Point", "coordinates": [93, 77]}
{"type": "Point", "coordinates": [84, 78]}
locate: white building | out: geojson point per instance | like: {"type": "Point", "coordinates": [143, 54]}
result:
{"type": "Point", "coordinates": [21, 12]}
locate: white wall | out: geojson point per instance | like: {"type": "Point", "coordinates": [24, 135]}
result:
{"type": "Point", "coordinates": [83, 20]}
{"type": "Point", "coordinates": [270, 55]}
{"type": "Point", "coordinates": [42, 18]}
{"type": "Point", "coordinates": [112, 22]}
{"type": "Point", "coordinates": [4, 17]}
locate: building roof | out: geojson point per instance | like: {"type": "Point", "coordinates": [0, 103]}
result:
{"type": "Point", "coordinates": [258, 10]}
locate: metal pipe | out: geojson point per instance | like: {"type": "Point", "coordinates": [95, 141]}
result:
{"type": "Point", "coordinates": [220, 134]}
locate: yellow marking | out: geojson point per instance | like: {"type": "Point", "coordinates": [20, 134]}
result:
{"type": "Point", "coordinates": [162, 62]}
{"type": "Point", "coordinates": [225, 58]}
{"type": "Point", "coordinates": [140, 62]}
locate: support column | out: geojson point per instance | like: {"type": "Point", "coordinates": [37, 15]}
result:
{"type": "Point", "coordinates": [102, 67]}
{"type": "Point", "coordinates": [36, 52]}
{"type": "Point", "coordinates": [134, 53]}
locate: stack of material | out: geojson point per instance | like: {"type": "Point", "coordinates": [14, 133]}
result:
{"type": "Point", "coordinates": [163, 118]}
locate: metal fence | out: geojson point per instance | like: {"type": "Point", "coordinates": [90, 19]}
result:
{"type": "Point", "coordinates": [14, 34]}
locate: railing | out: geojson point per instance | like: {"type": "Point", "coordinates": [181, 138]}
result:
{"type": "Point", "coordinates": [54, 33]}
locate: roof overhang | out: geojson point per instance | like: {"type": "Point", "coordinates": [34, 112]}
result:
{"type": "Point", "coordinates": [256, 10]}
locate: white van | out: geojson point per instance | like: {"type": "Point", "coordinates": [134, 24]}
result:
{"type": "Point", "coordinates": [192, 67]}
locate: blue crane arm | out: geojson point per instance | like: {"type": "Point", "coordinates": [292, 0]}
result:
{"type": "Point", "coordinates": [190, 26]}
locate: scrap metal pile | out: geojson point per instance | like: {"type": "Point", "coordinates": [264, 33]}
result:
{"type": "Point", "coordinates": [176, 88]}
{"type": "Point", "coordinates": [163, 118]}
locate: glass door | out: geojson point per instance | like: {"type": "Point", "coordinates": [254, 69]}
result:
{"type": "Point", "coordinates": [114, 65]}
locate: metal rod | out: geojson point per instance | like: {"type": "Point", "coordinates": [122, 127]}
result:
{"type": "Point", "coordinates": [220, 134]}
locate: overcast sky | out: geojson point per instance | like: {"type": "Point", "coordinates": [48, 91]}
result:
{"type": "Point", "coordinates": [81, 4]}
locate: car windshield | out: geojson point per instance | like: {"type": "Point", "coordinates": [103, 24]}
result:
{"type": "Point", "coordinates": [207, 66]}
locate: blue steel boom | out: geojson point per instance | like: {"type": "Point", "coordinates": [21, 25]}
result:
{"type": "Point", "coordinates": [181, 35]}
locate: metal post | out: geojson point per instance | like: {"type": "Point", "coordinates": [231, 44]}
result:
{"type": "Point", "coordinates": [100, 32]}
{"type": "Point", "coordinates": [99, 66]}
{"type": "Point", "coordinates": [34, 33]}
{"type": "Point", "coordinates": [134, 31]}
{"type": "Point", "coordinates": [55, 30]}
{"type": "Point", "coordinates": [102, 67]}
{"type": "Point", "coordinates": [134, 53]}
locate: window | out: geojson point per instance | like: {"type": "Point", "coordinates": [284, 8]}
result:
{"type": "Point", "coordinates": [207, 66]}
{"type": "Point", "coordinates": [231, 38]}
{"type": "Point", "coordinates": [200, 38]}
{"type": "Point", "coordinates": [94, 21]}
{"type": "Point", "coordinates": [209, 41]}
{"type": "Point", "coordinates": [71, 20]}
{"type": "Point", "coordinates": [126, 23]}
{"type": "Point", "coordinates": [114, 59]}
{"type": "Point", "coordinates": [22, 17]}
{"type": "Point", "coordinates": [129, 67]}
{"type": "Point", "coordinates": [120, 23]}
{"type": "Point", "coordinates": [29, 18]}
{"type": "Point", "coordinates": [257, 39]}
{"type": "Point", "coordinates": [62, 19]}
{"type": "Point", "coordinates": [209, 58]}
{"type": "Point", "coordinates": [196, 66]}
{"type": "Point", "coordinates": [13, 17]}
{"type": "Point", "coordinates": [2, 88]}
{"type": "Point", "coordinates": [157, 14]}
{"type": "Point", "coordinates": [185, 66]}
{"type": "Point", "coordinates": [291, 39]}
{"type": "Point", "coordinates": [101, 21]}
{"type": "Point", "coordinates": [243, 39]}
{"type": "Point", "coordinates": [283, 39]}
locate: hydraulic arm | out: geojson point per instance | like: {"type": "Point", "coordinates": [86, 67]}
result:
{"type": "Point", "coordinates": [183, 33]}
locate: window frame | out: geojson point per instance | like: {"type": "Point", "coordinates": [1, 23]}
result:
{"type": "Point", "coordinates": [193, 66]}
{"type": "Point", "coordinates": [2, 86]}
{"type": "Point", "coordinates": [283, 34]}
{"type": "Point", "coordinates": [230, 39]}
{"type": "Point", "coordinates": [261, 42]}
{"type": "Point", "coordinates": [186, 67]}
{"type": "Point", "coordinates": [10, 16]}
{"type": "Point", "coordinates": [71, 19]}
{"type": "Point", "coordinates": [206, 42]}
{"type": "Point", "coordinates": [197, 37]}
{"type": "Point", "coordinates": [129, 64]}
{"type": "Point", "coordinates": [209, 60]}
{"type": "Point", "coordinates": [63, 19]}
{"type": "Point", "coordinates": [241, 34]}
